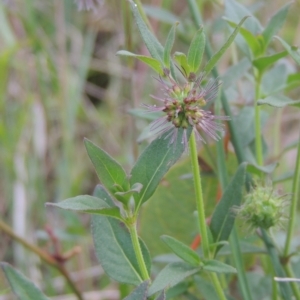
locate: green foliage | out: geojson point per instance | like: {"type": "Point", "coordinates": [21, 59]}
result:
{"type": "Point", "coordinates": [169, 45]}
{"type": "Point", "coordinates": [153, 45]}
{"type": "Point", "coordinates": [110, 173]}
{"type": "Point", "coordinates": [89, 204]}
{"type": "Point", "coordinates": [153, 164]}
{"type": "Point", "coordinates": [21, 286]}
{"type": "Point", "coordinates": [196, 50]}
{"type": "Point", "coordinates": [171, 275]}
{"type": "Point", "coordinates": [50, 97]}
{"type": "Point", "coordinates": [216, 266]}
{"type": "Point", "coordinates": [216, 57]}
{"type": "Point", "coordinates": [151, 62]}
{"type": "Point", "coordinates": [182, 250]}
{"type": "Point", "coordinates": [223, 218]}
{"type": "Point", "coordinates": [140, 292]}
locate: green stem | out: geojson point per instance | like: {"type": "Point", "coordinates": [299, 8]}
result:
{"type": "Point", "coordinates": [217, 286]}
{"type": "Point", "coordinates": [199, 195]}
{"type": "Point", "coordinates": [138, 250]}
{"type": "Point", "coordinates": [201, 212]}
{"type": "Point", "coordinates": [258, 140]}
{"type": "Point", "coordinates": [295, 287]}
{"type": "Point", "coordinates": [293, 207]}
{"type": "Point", "coordinates": [43, 255]}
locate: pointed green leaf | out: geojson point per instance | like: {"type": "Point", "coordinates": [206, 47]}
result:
{"type": "Point", "coordinates": [256, 169]}
{"type": "Point", "coordinates": [100, 192]}
{"type": "Point", "coordinates": [154, 163]}
{"type": "Point", "coordinates": [109, 171]}
{"type": "Point", "coordinates": [171, 275]}
{"type": "Point", "coordinates": [262, 63]}
{"type": "Point", "coordinates": [278, 101]}
{"type": "Point", "coordinates": [292, 50]}
{"type": "Point", "coordinates": [114, 248]}
{"type": "Point", "coordinates": [115, 252]}
{"type": "Point", "coordinates": [136, 188]}
{"type": "Point", "coordinates": [215, 58]}
{"type": "Point", "coordinates": [169, 45]}
{"type": "Point", "coordinates": [181, 60]}
{"type": "Point", "coordinates": [140, 293]}
{"type": "Point", "coordinates": [22, 287]}
{"type": "Point", "coordinates": [275, 24]}
{"type": "Point", "coordinates": [89, 204]}
{"type": "Point", "coordinates": [250, 38]}
{"type": "Point", "coordinates": [155, 48]}
{"type": "Point", "coordinates": [196, 51]}
{"type": "Point", "coordinates": [216, 266]}
{"type": "Point", "coordinates": [235, 11]}
{"type": "Point", "coordinates": [222, 219]}
{"type": "Point", "coordinates": [182, 250]}
{"type": "Point", "coordinates": [151, 62]}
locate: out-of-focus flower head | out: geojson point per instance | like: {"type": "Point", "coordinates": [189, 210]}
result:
{"type": "Point", "coordinates": [88, 4]}
{"type": "Point", "coordinates": [263, 208]}
{"type": "Point", "coordinates": [183, 106]}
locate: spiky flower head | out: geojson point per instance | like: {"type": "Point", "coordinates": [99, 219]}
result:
{"type": "Point", "coordinates": [183, 106]}
{"type": "Point", "coordinates": [263, 208]}
{"type": "Point", "coordinates": [88, 4]}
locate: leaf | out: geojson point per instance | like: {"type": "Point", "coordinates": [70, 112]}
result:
{"type": "Point", "coordinates": [100, 192]}
{"type": "Point", "coordinates": [109, 171]}
{"type": "Point", "coordinates": [181, 59]}
{"type": "Point", "coordinates": [172, 206]}
{"type": "Point", "coordinates": [154, 163]}
{"type": "Point", "coordinates": [277, 101]}
{"type": "Point", "coordinates": [169, 45]}
{"type": "Point", "coordinates": [236, 11]}
{"type": "Point", "coordinates": [216, 266]}
{"type": "Point", "coordinates": [250, 38]}
{"type": "Point", "coordinates": [114, 248]}
{"type": "Point", "coordinates": [161, 296]}
{"type": "Point", "coordinates": [155, 48]}
{"type": "Point", "coordinates": [264, 62]}
{"type": "Point", "coordinates": [292, 50]}
{"type": "Point", "coordinates": [182, 250]}
{"type": "Point", "coordinates": [151, 62]}
{"type": "Point", "coordinates": [22, 287]}
{"type": "Point", "coordinates": [206, 288]}
{"type": "Point", "coordinates": [88, 204]}
{"type": "Point", "coordinates": [140, 293]}
{"type": "Point", "coordinates": [235, 72]}
{"type": "Point", "coordinates": [275, 24]}
{"type": "Point", "coordinates": [196, 50]}
{"type": "Point", "coordinates": [115, 252]}
{"type": "Point", "coordinates": [222, 219]}
{"type": "Point", "coordinates": [215, 58]}
{"type": "Point", "coordinates": [171, 275]}
{"type": "Point", "coordinates": [256, 169]}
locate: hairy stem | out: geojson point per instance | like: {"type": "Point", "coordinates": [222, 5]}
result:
{"type": "Point", "coordinates": [199, 195]}
{"type": "Point", "coordinates": [201, 212]}
{"type": "Point", "coordinates": [293, 206]}
{"type": "Point", "coordinates": [258, 140]}
{"type": "Point", "coordinates": [138, 251]}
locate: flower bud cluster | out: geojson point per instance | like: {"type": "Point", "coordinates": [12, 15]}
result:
{"type": "Point", "coordinates": [263, 208]}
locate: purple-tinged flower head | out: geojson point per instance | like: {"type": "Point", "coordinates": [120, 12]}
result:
{"type": "Point", "coordinates": [184, 107]}
{"type": "Point", "coordinates": [88, 4]}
